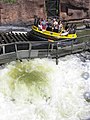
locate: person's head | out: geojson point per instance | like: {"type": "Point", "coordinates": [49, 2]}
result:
{"type": "Point", "coordinates": [41, 19]}
{"type": "Point", "coordinates": [54, 19]}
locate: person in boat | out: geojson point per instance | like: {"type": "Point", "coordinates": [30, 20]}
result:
{"type": "Point", "coordinates": [66, 27]}
{"type": "Point", "coordinates": [36, 21]}
{"type": "Point", "coordinates": [69, 29]}
{"type": "Point", "coordinates": [65, 30]}
{"type": "Point", "coordinates": [55, 25]}
{"type": "Point", "coordinates": [73, 29]}
{"type": "Point", "coordinates": [43, 22]}
{"type": "Point", "coordinates": [49, 25]}
{"type": "Point", "coordinates": [40, 24]}
{"type": "Point", "coordinates": [60, 26]}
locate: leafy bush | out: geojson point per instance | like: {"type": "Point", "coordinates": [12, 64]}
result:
{"type": "Point", "coordinates": [9, 1]}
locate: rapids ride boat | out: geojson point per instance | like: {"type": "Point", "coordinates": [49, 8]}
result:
{"type": "Point", "coordinates": [53, 35]}
{"type": "Point", "coordinates": [53, 29]}
{"type": "Point", "coordinates": [63, 36]}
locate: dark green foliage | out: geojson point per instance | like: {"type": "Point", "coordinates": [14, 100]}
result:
{"type": "Point", "coordinates": [8, 1]}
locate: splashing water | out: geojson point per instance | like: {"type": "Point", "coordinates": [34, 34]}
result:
{"type": "Point", "coordinates": [40, 90]}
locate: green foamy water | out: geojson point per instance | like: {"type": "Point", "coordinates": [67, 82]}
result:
{"type": "Point", "coordinates": [28, 77]}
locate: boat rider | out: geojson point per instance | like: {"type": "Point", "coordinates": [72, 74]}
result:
{"type": "Point", "coordinates": [60, 26]}
{"type": "Point", "coordinates": [36, 21]}
{"type": "Point", "coordinates": [55, 25]}
{"type": "Point", "coordinates": [40, 24]}
{"type": "Point", "coordinates": [49, 25]}
{"type": "Point", "coordinates": [65, 30]}
{"type": "Point", "coordinates": [43, 22]}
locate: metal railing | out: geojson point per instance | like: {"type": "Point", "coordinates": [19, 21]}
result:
{"type": "Point", "coordinates": [33, 49]}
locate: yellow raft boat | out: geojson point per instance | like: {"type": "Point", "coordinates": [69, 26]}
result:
{"type": "Point", "coordinates": [53, 35]}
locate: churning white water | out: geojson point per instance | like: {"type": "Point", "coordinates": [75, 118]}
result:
{"type": "Point", "coordinates": [41, 90]}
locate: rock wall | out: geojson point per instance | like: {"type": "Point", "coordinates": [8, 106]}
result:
{"type": "Point", "coordinates": [75, 9]}
{"type": "Point", "coordinates": [23, 11]}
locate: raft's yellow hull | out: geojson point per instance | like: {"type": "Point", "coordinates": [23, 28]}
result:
{"type": "Point", "coordinates": [52, 35]}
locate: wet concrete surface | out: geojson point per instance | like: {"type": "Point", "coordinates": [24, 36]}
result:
{"type": "Point", "coordinates": [14, 28]}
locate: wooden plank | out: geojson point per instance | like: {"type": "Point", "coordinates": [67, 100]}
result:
{"type": "Point", "coordinates": [17, 39]}
{"type": "Point", "coordinates": [4, 38]}
{"type": "Point", "coordinates": [1, 40]}
{"type": "Point", "coordinates": [8, 38]}
{"type": "Point", "coordinates": [23, 37]}
{"type": "Point", "coordinates": [11, 36]}
{"type": "Point", "coordinates": [18, 35]}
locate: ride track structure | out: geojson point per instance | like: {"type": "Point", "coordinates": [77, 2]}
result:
{"type": "Point", "coordinates": [18, 46]}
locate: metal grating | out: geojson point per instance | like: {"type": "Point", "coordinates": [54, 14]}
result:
{"type": "Point", "coordinates": [6, 38]}
{"type": "Point", "coordinates": [52, 8]}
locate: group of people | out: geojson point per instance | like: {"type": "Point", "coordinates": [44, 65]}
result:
{"type": "Point", "coordinates": [54, 25]}
{"type": "Point", "coordinates": [49, 24]}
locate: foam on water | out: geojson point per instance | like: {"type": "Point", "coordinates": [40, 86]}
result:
{"type": "Point", "coordinates": [40, 90]}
